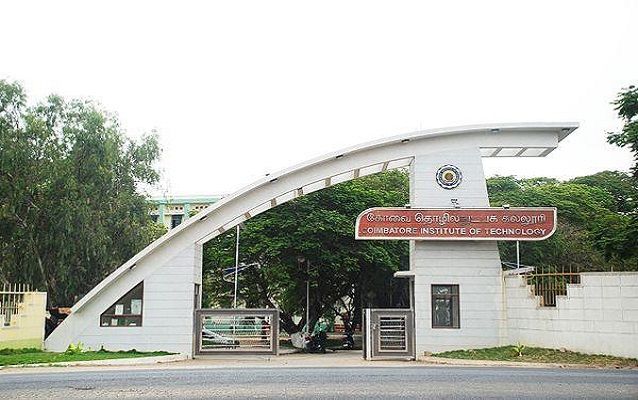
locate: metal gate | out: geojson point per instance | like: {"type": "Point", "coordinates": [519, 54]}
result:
{"type": "Point", "coordinates": [234, 331]}
{"type": "Point", "coordinates": [389, 333]}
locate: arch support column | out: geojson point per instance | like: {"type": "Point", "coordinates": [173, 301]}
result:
{"type": "Point", "coordinates": [473, 267]}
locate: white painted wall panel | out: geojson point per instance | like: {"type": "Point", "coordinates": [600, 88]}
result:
{"type": "Point", "coordinates": [168, 308]}
{"type": "Point", "coordinates": [474, 266]}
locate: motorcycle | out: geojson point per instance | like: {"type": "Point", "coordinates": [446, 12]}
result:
{"type": "Point", "coordinates": [316, 343]}
{"type": "Point", "coordinates": [348, 341]}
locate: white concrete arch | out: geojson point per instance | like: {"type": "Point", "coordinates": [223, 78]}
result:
{"type": "Point", "coordinates": [184, 242]}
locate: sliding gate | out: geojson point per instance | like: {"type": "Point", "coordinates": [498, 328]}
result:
{"type": "Point", "coordinates": [389, 334]}
{"type": "Point", "coordinates": [234, 331]}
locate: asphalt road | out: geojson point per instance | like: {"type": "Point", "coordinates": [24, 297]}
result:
{"type": "Point", "coordinates": [325, 383]}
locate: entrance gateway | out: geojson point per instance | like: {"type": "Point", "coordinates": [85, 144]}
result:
{"type": "Point", "coordinates": [150, 302]}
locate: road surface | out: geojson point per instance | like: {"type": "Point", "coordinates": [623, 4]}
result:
{"type": "Point", "coordinates": [324, 383]}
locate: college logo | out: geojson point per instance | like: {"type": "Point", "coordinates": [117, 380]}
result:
{"type": "Point", "coordinates": [448, 176]}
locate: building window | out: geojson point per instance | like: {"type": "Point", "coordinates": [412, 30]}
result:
{"type": "Point", "coordinates": [176, 219]}
{"type": "Point", "coordinates": [154, 217]}
{"type": "Point", "coordinates": [445, 306]}
{"type": "Point", "coordinates": [127, 311]}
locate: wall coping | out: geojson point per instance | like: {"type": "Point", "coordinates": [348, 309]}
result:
{"type": "Point", "coordinates": [610, 273]}
{"type": "Point", "coordinates": [591, 273]}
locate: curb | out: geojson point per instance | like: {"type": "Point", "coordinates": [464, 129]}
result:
{"type": "Point", "coordinates": [108, 362]}
{"type": "Point", "coordinates": [515, 364]}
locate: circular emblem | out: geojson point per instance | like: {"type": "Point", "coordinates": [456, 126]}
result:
{"type": "Point", "coordinates": [448, 176]}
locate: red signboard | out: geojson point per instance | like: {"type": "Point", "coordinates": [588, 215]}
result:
{"type": "Point", "coordinates": [456, 224]}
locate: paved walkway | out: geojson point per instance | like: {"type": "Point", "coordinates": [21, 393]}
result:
{"type": "Point", "coordinates": [340, 359]}
{"type": "Point", "coordinates": [301, 360]}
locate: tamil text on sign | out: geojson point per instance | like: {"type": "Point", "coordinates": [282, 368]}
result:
{"type": "Point", "coordinates": [456, 224]}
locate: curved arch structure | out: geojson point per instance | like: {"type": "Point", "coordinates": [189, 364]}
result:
{"type": "Point", "coordinates": [178, 252]}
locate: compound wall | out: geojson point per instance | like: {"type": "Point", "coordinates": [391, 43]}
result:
{"type": "Point", "coordinates": [599, 315]}
{"type": "Point", "coordinates": [27, 326]}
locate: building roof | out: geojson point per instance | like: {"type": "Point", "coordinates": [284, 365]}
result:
{"type": "Point", "coordinates": [185, 199]}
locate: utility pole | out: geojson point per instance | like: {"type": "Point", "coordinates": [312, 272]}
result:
{"type": "Point", "coordinates": [307, 296]}
{"type": "Point", "coordinates": [300, 260]}
{"type": "Point", "coordinates": [518, 254]}
{"type": "Point", "coordinates": [236, 267]}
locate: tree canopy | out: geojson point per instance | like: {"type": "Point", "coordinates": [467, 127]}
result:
{"type": "Point", "coordinates": [595, 223]}
{"type": "Point", "coordinates": [70, 209]}
{"type": "Point", "coordinates": [627, 107]}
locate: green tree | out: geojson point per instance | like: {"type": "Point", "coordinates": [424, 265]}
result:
{"type": "Point", "coordinates": [622, 239]}
{"type": "Point", "coordinates": [627, 107]}
{"type": "Point", "coordinates": [319, 228]}
{"type": "Point", "coordinates": [616, 234]}
{"type": "Point", "coordinates": [70, 211]}
{"type": "Point", "coordinates": [591, 235]}
{"type": "Point", "coordinates": [619, 185]}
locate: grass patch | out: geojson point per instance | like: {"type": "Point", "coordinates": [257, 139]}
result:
{"type": "Point", "coordinates": [35, 356]}
{"type": "Point", "coordinates": [539, 355]}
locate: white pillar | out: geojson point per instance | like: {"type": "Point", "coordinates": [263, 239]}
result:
{"type": "Point", "coordinates": [473, 265]}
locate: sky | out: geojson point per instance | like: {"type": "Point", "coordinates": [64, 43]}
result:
{"type": "Point", "coordinates": [239, 89]}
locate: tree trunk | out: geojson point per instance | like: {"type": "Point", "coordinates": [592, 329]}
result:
{"type": "Point", "coordinates": [285, 318]}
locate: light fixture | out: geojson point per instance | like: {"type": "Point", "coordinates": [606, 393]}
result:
{"type": "Point", "coordinates": [506, 206]}
{"type": "Point", "coordinates": [405, 140]}
{"type": "Point", "coordinates": [495, 130]}
{"type": "Point", "coordinates": [203, 218]}
{"type": "Point", "coordinates": [408, 205]}
{"type": "Point", "coordinates": [273, 180]}
{"type": "Point", "coordinates": [339, 156]}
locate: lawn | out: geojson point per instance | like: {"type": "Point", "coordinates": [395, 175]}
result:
{"type": "Point", "coordinates": [539, 355]}
{"type": "Point", "coordinates": [35, 356]}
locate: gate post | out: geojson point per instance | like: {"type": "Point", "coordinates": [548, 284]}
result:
{"type": "Point", "coordinates": [389, 334]}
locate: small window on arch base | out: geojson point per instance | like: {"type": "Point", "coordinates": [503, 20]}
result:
{"type": "Point", "coordinates": [445, 306]}
{"type": "Point", "coordinates": [127, 311]}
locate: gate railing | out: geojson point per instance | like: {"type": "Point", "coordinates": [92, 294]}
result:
{"type": "Point", "coordinates": [548, 283]}
{"type": "Point", "coordinates": [11, 297]}
{"type": "Point", "coordinates": [232, 331]}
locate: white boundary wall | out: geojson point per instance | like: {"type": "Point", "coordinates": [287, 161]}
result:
{"type": "Point", "coordinates": [599, 315]}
